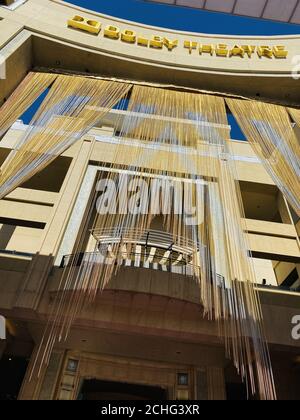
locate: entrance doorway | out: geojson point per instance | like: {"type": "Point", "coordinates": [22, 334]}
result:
{"type": "Point", "coordinates": [12, 372]}
{"type": "Point", "coordinates": [94, 389]}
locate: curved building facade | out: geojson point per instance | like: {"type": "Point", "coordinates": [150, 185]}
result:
{"type": "Point", "coordinates": [144, 331]}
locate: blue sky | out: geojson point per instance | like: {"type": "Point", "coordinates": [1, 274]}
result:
{"type": "Point", "coordinates": [236, 132]}
{"type": "Point", "coordinates": [184, 18]}
{"type": "Point", "coordinates": [181, 18]}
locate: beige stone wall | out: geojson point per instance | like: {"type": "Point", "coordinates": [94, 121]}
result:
{"type": "Point", "coordinates": [62, 383]}
{"type": "Point", "coordinates": [52, 44]}
{"type": "Point", "coordinates": [268, 240]}
{"type": "Point", "coordinates": [50, 18]}
{"type": "Point", "coordinates": [137, 301]}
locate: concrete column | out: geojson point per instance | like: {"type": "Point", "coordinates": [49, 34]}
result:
{"type": "Point", "coordinates": [28, 295]}
{"type": "Point", "coordinates": [31, 385]}
{"type": "Point", "coordinates": [52, 376]}
{"type": "Point", "coordinates": [55, 229]}
{"type": "Point", "coordinates": [40, 268]}
{"type": "Point", "coordinates": [216, 383]}
{"type": "Point", "coordinates": [283, 210]}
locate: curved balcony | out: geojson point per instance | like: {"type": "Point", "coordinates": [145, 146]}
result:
{"type": "Point", "coordinates": [151, 249]}
{"type": "Point", "coordinates": [145, 250]}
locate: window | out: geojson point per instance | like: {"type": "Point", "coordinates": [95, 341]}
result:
{"type": "Point", "coordinates": [262, 202]}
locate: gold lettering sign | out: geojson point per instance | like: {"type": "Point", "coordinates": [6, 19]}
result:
{"type": "Point", "coordinates": [249, 49]}
{"type": "Point", "coordinates": [222, 50]}
{"type": "Point", "coordinates": [191, 45]}
{"type": "Point", "coordinates": [209, 49]}
{"type": "Point", "coordinates": [280, 52]}
{"type": "Point", "coordinates": [143, 41]}
{"type": "Point", "coordinates": [156, 42]}
{"type": "Point", "coordinates": [194, 47]}
{"type": "Point", "coordinates": [237, 50]}
{"type": "Point", "coordinates": [112, 32]}
{"type": "Point", "coordinates": [170, 44]}
{"type": "Point", "coordinates": [128, 36]}
{"type": "Point", "coordinates": [265, 51]}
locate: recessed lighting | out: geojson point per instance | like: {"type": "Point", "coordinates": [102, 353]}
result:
{"type": "Point", "coordinates": [72, 365]}
{"type": "Point", "coordinates": [183, 379]}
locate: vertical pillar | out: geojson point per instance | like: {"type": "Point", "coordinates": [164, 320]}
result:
{"type": "Point", "coordinates": [40, 268]}
{"type": "Point", "coordinates": [216, 383]}
{"type": "Point", "coordinates": [28, 296]}
{"type": "Point", "coordinates": [31, 386]}
{"type": "Point", "coordinates": [52, 376]}
{"type": "Point", "coordinates": [42, 387]}
{"type": "Point", "coordinates": [69, 380]}
{"type": "Point", "coordinates": [201, 392]}
{"type": "Point", "coordinates": [56, 227]}
{"type": "Point", "coordinates": [283, 210]}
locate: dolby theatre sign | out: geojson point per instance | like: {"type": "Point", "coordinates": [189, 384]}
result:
{"type": "Point", "coordinates": [160, 42]}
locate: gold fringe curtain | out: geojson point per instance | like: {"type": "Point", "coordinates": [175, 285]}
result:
{"type": "Point", "coordinates": [32, 86]}
{"type": "Point", "coordinates": [71, 108]}
{"type": "Point", "coordinates": [268, 129]}
{"type": "Point", "coordinates": [183, 137]}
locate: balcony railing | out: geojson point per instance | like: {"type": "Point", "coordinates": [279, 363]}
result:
{"type": "Point", "coordinates": [16, 253]}
{"type": "Point", "coordinates": [151, 249]}
{"type": "Point", "coordinates": [133, 259]}
{"type": "Point", "coordinates": [278, 288]}
{"type": "Point", "coordinates": [147, 238]}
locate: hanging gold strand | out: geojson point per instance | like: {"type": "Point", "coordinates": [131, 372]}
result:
{"type": "Point", "coordinates": [71, 108]}
{"type": "Point", "coordinates": [269, 131]}
{"type": "Point", "coordinates": [184, 138]}
{"type": "Point", "coordinates": [31, 87]}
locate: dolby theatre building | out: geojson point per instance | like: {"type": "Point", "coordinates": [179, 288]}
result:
{"type": "Point", "coordinates": [145, 252]}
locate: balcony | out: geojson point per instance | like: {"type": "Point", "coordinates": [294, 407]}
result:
{"type": "Point", "coordinates": [156, 250]}
{"type": "Point", "coordinates": [152, 249]}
